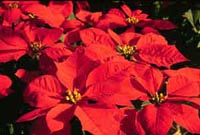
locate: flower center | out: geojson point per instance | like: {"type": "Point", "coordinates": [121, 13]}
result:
{"type": "Point", "coordinates": [126, 50]}
{"type": "Point", "coordinates": [73, 96]}
{"type": "Point", "coordinates": [132, 20]}
{"type": "Point", "coordinates": [13, 5]}
{"type": "Point", "coordinates": [158, 98]}
{"type": "Point", "coordinates": [35, 46]}
{"type": "Point", "coordinates": [31, 15]}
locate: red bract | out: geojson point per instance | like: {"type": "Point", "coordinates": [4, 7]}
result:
{"type": "Point", "coordinates": [27, 76]}
{"type": "Point", "coordinates": [45, 41]}
{"type": "Point", "coordinates": [61, 7]}
{"type": "Point", "coordinates": [146, 83]}
{"type": "Point", "coordinates": [12, 12]}
{"type": "Point", "coordinates": [59, 104]}
{"type": "Point", "coordinates": [115, 18]}
{"type": "Point", "coordinates": [92, 36]}
{"type": "Point", "coordinates": [5, 84]}
{"type": "Point", "coordinates": [82, 20]}
{"type": "Point", "coordinates": [135, 16]}
{"type": "Point", "coordinates": [74, 71]}
{"type": "Point", "coordinates": [82, 5]}
{"type": "Point", "coordinates": [101, 53]}
{"type": "Point", "coordinates": [12, 45]}
{"type": "Point", "coordinates": [45, 14]}
{"type": "Point", "coordinates": [191, 73]}
{"type": "Point", "coordinates": [150, 48]}
{"type": "Point", "coordinates": [103, 82]}
{"type": "Point", "coordinates": [167, 106]}
{"type": "Point", "coordinates": [73, 26]}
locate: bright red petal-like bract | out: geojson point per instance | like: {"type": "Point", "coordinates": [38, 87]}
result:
{"type": "Point", "coordinates": [103, 83]}
{"type": "Point", "coordinates": [45, 14]}
{"type": "Point", "coordinates": [12, 45]}
{"type": "Point", "coordinates": [161, 55]}
{"type": "Point", "coordinates": [5, 84]}
{"type": "Point", "coordinates": [155, 119]}
{"type": "Point", "coordinates": [58, 118]}
{"type": "Point", "coordinates": [44, 91]}
{"type": "Point", "coordinates": [99, 119]}
{"type": "Point", "coordinates": [73, 72]}
{"type": "Point", "coordinates": [92, 36]}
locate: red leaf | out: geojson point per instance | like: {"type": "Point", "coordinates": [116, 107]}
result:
{"type": "Point", "coordinates": [103, 83]}
{"type": "Point", "coordinates": [182, 86]}
{"type": "Point", "coordinates": [12, 15]}
{"type": "Point", "coordinates": [161, 55]}
{"type": "Point", "coordinates": [27, 76]}
{"type": "Point", "coordinates": [147, 29]}
{"type": "Point", "coordinates": [189, 119]}
{"type": "Point", "coordinates": [99, 120]}
{"type": "Point", "coordinates": [62, 7]}
{"type": "Point", "coordinates": [32, 115]}
{"type": "Point", "coordinates": [118, 12]}
{"type": "Point", "coordinates": [130, 125]}
{"type": "Point", "coordinates": [163, 25]}
{"type": "Point", "coordinates": [89, 17]}
{"type": "Point", "coordinates": [95, 36]}
{"type": "Point", "coordinates": [58, 118]}
{"type": "Point", "coordinates": [115, 37]}
{"type": "Point", "coordinates": [72, 24]}
{"type": "Point", "coordinates": [58, 52]}
{"type": "Point", "coordinates": [44, 13]}
{"type": "Point", "coordinates": [126, 10]}
{"type": "Point", "coordinates": [155, 119]}
{"type": "Point", "coordinates": [151, 39]}
{"type": "Point", "coordinates": [72, 36]}
{"type": "Point", "coordinates": [74, 71]}
{"type": "Point", "coordinates": [44, 91]}
{"type": "Point", "coordinates": [5, 84]}
{"type": "Point", "coordinates": [102, 53]}
{"type": "Point", "coordinates": [12, 45]}
{"type": "Point", "coordinates": [192, 73]}
{"type": "Point", "coordinates": [111, 21]}
{"type": "Point", "coordinates": [48, 36]}
{"type": "Point", "coordinates": [130, 38]}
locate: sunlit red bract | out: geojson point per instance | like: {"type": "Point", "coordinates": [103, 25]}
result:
{"type": "Point", "coordinates": [113, 71]}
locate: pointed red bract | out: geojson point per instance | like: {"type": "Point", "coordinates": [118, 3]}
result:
{"type": "Point", "coordinates": [103, 83]}
{"type": "Point", "coordinates": [189, 119]}
{"type": "Point", "coordinates": [102, 53]}
{"type": "Point", "coordinates": [44, 91]}
{"type": "Point", "coordinates": [151, 39]}
{"type": "Point", "coordinates": [155, 119]}
{"type": "Point", "coordinates": [161, 55]}
{"type": "Point", "coordinates": [45, 14]}
{"type": "Point", "coordinates": [12, 45]}
{"type": "Point", "coordinates": [58, 118]}
{"type": "Point", "coordinates": [5, 84]}
{"type": "Point", "coordinates": [95, 36]}
{"type": "Point", "coordinates": [183, 87]}
{"type": "Point", "coordinates": [99, 120]}
{"type": "Point", "coordinates": [61, 7]}
{"type": "Point", "coordinates": [73, 72]}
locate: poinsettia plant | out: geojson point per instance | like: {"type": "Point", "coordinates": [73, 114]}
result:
{"type": "Point", "coordinates": [122, 68]}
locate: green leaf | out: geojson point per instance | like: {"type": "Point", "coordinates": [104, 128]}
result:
{"type": "Point", "coordinates": [72, 16]}
{"type": "Point", "coordinates": [11, 129]}
{"type": "Point", "coordinates": [198, 46]}
{"type": "Point", "coordinates": [196, 16]}
{"type": "Point", "coordinates": [189, 16]}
